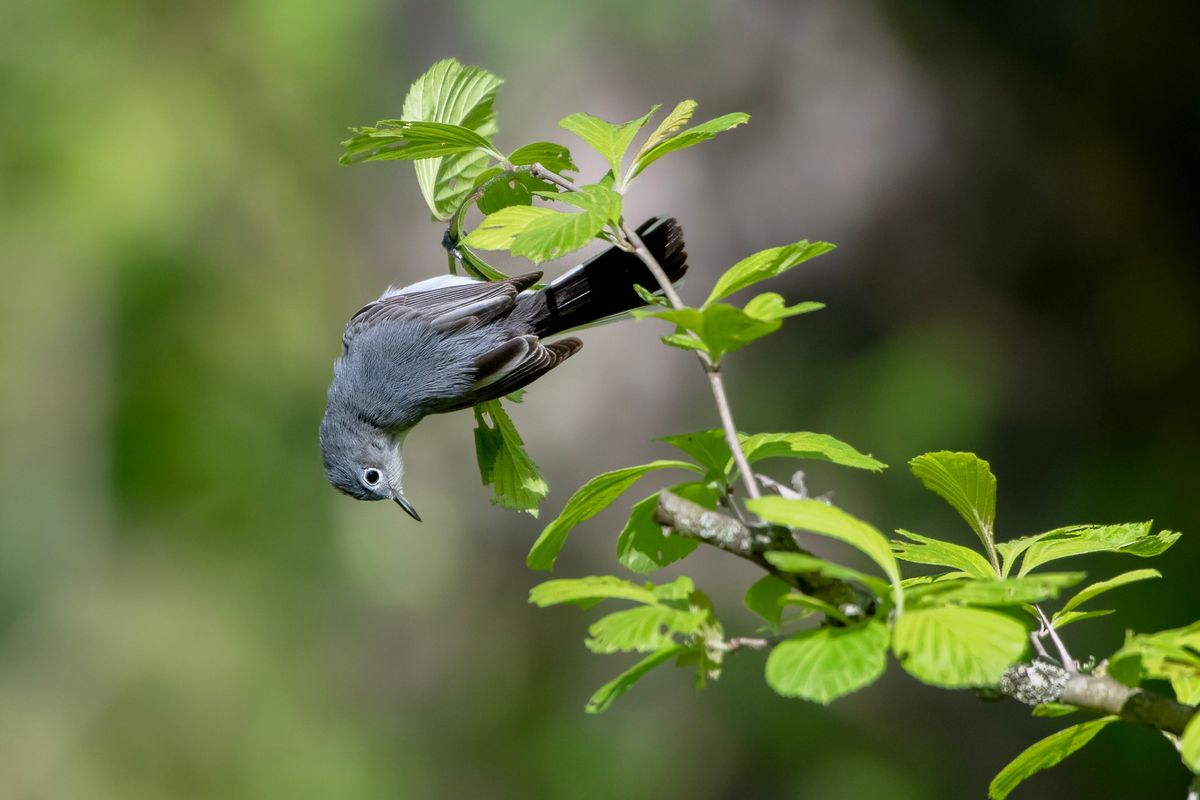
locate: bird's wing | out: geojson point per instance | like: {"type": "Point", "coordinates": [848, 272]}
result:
{"type": "Point", "coordinates": [512, 366]}
{"type": "Point", "coordinates": [446, 306]}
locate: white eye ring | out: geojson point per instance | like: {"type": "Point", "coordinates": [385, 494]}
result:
{"type": "Point", "coordinates": [372, 476]}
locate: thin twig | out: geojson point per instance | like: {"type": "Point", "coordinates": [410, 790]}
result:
{"type": "Point", "coordinates": [711, 369]}
{"type": "Point", "coordinates": [1067, 662]}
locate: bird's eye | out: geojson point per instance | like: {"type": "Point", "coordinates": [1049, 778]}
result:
{"type": "Point", "coordinates": [371, 476]}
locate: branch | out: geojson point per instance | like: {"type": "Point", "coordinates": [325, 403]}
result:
{"type": "Point", "coordinates": [694, 521]}
{"type": "Point", "coordinates": [1032, 684]}
{"type": "Point", "coordinates": [634, 243]}
{"type": "Point", "coordinates": [1043, 682]}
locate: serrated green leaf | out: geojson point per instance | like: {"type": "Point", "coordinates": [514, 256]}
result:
{"type": "Point", "coordinates": [708, 448]}
{"type": "Point", "coordinates": [499, 230]}
{"type": "Point", "coordinates": [1062, 620]}
{"type": "Point", "coordinates": [606, 694]}
{"type": "Point", "coordinates": [820, 446]}
{"type": "Point", "coordinates": [815, 516]}
{"type": "Point", "coordinates": [1100, 587]}
{"type": "Point", "coordinates": [1171, 655]}
{"type": "Point", "coordinates": [591, 498]}
{"type": "Point", "coordinates": [684, 341]}
{"type": "Point", "coordinates": [770, 306]}
{"type": "Point", "coordinates": [957, 647]}
{"type": "Point", "coordinates": [765, 596]}
{"type": "Point", "coordinates": [679, 116]}
{"type": "Point", "coordinates": [824, 664]}
{"type": "Point", "coordinates": [801, 563]}
{"type": "Point", "coordinates": [452, 93]}
{"type": "Point", "coordinates": [393, 139]}
{"type": "Point", "coordinates": [504, 463]}
{"type": "Point", "coordinates": [642, 545]}
{"type": "Point", "coordinates": [550, 237]}
{"type": "Point", "coordinates": [814, 604]}
{"type": "Point", "coordinates": [687, 138]}
{"type": "Point", "coordinates": [992, 592]}
{"type": "Point", "coordinates": [1050, 710]}
{"type": "Point", "coordinates": [1045, 754]}
{"type": "Point", "coordinates": [642, 629]}
{"type": "Point", "coordinates": [1189, 744]}
{"type": "Point", "coordinates": [679, 589]}
{"type": "Point", "coordinates": [553, 157]}
{"type": "Point", "coordinates": [541, 234]}
{"type": "Point", "coordinates": [1130, 538]}
{"type": "Point", "coordinates": [588, 591]}
{"type": "Point", "coordinates": [966, 482]}
{"type": "Point", "coordinates": [609, 139]}
{"type": "Point", "coordinates": [765, 264]}
{"type": "Point", "coordinates": [501, 194]}
{"type": "Point", "coordinates": [935, 552]}
{"type": "Point", "coordinates": [711, 451]}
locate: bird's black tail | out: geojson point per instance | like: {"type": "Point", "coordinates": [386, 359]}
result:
{"type": "Point", "coordinates": [602, 286]}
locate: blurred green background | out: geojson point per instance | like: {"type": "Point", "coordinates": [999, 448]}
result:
{"type": "Point", "coordinates": [188, 610]}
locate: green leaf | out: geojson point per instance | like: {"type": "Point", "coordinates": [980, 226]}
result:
{"type": "Point", "coordinates": [711, 451]}
{"type": "Point", "coordinates": [500, 229]}
{"type": "Point", "coordinates": [503, 462]}
{"type": "Point", "coordinates": [392, 140]}
{"type": "Point", "coordinates": [814, 604]}
{"type": "Point", "coordinates": [802, 563]}
{"type": "Point", "coordinates": [1050, 710]}
{"type": "Point", "coordinates": [515, 190]}
{"type": "Point", "coordinates": [1131, 538]}
{"type": "Point", "coordinates": [1189, 744]}
{"type": "Point", "coordinates": [611, 140]}
{"type": "Point", "coordinates": [1171, 655]}
{"type": "Point", "coordinates": [458, 95]}
{"type": "Point", "coordinates": [592, 498]}
{"type": "Point", "coordinates": [765, 264]}
{"type": "Point", "coordinates": [935, 552]}
{"type": "Point", "coordinates": [708, 448]}
{"type": "Point", "coordinates": [957, 647]}
{"type": "Point", "coordinates": [1089, 592]}
{"type": "Point", "coordinates": [815, 516]}
{"type": "Point", "coordinates": [770, 306]}
{"type": "Point", "coordinates": [723, 328]}
{"type": "Point", "coordinates": [820, 446]}
{"type": "Point", "coordinates": [692, 136]}
{"type": "Point", "coordinates": [765, 598]}
{"type": "Point", "coordinates": [642, 545]}
{"type": "Point", "coordinates": [541, 234]}
{"type": "Point", "coordinates": [678, 117]}
{"type": "Point", "coordinates": [824, 664]}
{"type": "Point", "coordinates": [991, 592]}
{"type": "Point", "coordinates": [1045, 754]}
{"type": "Point", "coordinates": [1061, 620]}
{"type": "Point", "coordinates": [553, 157]}
{"type": "Point", "coordinates": [589, 591]}
{"type": "Point", "coordinates": [606, 694]}
{"type": "Point", "coordinates": [965, 481]}
{"type": "Point", "coordinates": [644, 629]}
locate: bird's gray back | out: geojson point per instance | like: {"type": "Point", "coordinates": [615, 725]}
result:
{"type": "Point", "coordinates": [398, 371]}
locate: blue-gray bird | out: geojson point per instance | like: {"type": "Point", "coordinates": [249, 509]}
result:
{"type": "Point", "coordinates": [449, 343]}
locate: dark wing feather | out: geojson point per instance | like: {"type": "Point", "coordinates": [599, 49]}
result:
{"type": "Point", "coordinates": [448, 307]}
{"type": "Point", "coordinates": [512, 366]}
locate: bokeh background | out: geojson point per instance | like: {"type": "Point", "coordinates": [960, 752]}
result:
{"type": "Point", "coordinates": [188, 610]}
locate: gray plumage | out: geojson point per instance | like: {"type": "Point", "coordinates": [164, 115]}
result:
{"type": "Point", "coordinates": [450, 343]}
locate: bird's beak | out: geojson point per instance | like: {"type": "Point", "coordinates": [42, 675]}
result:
{"type": "Point", "coordinates": [408, 507]}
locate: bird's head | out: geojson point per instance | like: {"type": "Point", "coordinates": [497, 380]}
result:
{"type": "Point", "coordinates": [364, 461]}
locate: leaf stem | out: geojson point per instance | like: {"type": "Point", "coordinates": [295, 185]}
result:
{"type": "Point", "coordinates": [1048, 628]}
{"type": "Point", "coordinates": [711, 368]}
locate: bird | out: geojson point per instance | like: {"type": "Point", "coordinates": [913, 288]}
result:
{"type": "Point", "coordinates": [452, 342]}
